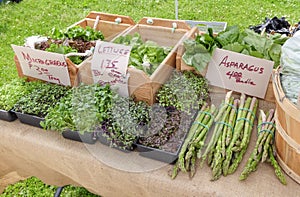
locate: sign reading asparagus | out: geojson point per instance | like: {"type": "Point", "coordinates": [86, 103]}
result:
{"type": "Point", "coordinates": [46, 66]}
{"type": "Point", "coordinates": [109, 65]}
{"type": "Point", "coordinates": [239, 72]}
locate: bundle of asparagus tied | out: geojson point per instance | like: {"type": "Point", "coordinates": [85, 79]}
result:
{"type": "Point", "coordinates": [264, 147]}
{"type": "Point", "coordinates": [194, 142]}
{"type": "Point", "coordinates": [231, 135]}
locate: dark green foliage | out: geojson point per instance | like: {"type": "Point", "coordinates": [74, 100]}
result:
{"type": "Point", "coordinates": [185, 91]}
{"type": "Point", "coordinates": [43, 97]}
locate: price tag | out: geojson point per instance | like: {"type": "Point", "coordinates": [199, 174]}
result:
{"type": "Point", "coordinates": [109, 65]}
{"type": "Point", "coordinates": [239, 72]}
{"type": "Point", "coordinates": [46, 66]}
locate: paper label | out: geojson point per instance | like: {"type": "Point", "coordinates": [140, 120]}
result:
{"type": "Point", "coordinates": [239, 72]}
{"type": "Point", "coordinates": [109, 65]}
{"type": "Point", "coordinates": [46, 66]}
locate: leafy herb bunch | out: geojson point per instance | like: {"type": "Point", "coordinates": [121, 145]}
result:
{"type": "Point", "coordinates": [126, 120]}
{"type": "Point", "coordinates": [75, 39]}
{"type": "Point", "coordinates": [13, 91]}
{"type": "Point", "coordinates": [185, 91]}
{"type": "Point", "coordinates": [145, 56]}
{"type": "Point", "coordinates": [265, 46]}
{"type": "Point", "coordinates": [82, 109]}
{"type": "Point", "coordinates": [42, 98]}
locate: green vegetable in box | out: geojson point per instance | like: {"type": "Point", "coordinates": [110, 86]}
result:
{"type": "Point", "coordinates": [199, 51]}
{"type": "Point", "coordinates": [146, 56]}
{"type": "Point", "coordinates": [73, 40]}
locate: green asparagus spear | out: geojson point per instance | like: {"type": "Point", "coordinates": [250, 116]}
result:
{"type": "Point", "coordinates": [277, 168]}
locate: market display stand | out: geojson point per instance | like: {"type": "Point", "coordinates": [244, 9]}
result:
{"type": "Point", "coordinates": [29, 151]}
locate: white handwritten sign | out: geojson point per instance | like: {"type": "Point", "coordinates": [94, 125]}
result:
{"type": "Point", "coordinates": [239, 72]}
{"type": "Point", "coordinates": [109, 65]}
{"type": "Point", "coordinates": [47, 66]}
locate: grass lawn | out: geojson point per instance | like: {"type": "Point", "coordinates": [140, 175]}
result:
{"type": "Point", "coordinates": [31, 17]}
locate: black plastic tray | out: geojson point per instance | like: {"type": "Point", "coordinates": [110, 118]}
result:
{"type": "Point", "coordinates": [103, 140]}
{"type": "Point", "coordinates": [157, 154]}
{"type": "Point", "coordinates": [87, 137]}
{"type": "Point", "coordinates": [7, 115]}
{"type": "Point", "coordinates": [29, 119]}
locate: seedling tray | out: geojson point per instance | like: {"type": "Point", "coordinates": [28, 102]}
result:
{"type": "Point", "coordinates": [29, 119]}
{"type": "Point", "coordinates": [7, 115]}
{"type": "Point", "coordinates": [103, 140]}
{"type": "Point", "coordinates": [159, 154]}
{"type": "Point", "coordinates": [87, 137]}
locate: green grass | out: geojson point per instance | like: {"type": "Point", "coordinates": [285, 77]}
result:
{"type": "Point", "coordinates": [31, 17]}
{"type": "Point", "coordinates": [33, 187]}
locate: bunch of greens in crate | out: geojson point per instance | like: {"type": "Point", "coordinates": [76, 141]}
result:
{"type": "Point", "coordinates": [75, 39]}
{"type": "Point", "coordinates": [82, 109]}
{"type": "Point", "coordinates": [199, 51]}
{"type": "Point", "coordinates": [185, 91]}
{"type": "Point", "coordinates": [13, 91]}
{"type": "Point", "coordinates": [146, 56]}
{"type": "Point", "coordinates": [77, 33]}
{"type": "Point", "coordinates": [126, 120]}
{"type": "Point", "coordinates": [42, 98]}
{"type": "Point", "coordinates": [63, 49]}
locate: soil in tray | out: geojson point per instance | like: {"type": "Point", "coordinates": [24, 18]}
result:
{"type": "Point", "coordinates": [165, 144]}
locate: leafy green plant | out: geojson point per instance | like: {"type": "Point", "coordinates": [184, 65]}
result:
{"type": "Point", "coordinates": [40, 99]}
{"type": "Point", "coordinates": [77, 32]}
{"type": "Point", "coordinates": [35, 187]}
{"type": "Point", "coordinates": [198, 51]}
{"type": "Point", "coordinates": [82, 109]}
{"type": "Point", "coordinates": [185, 91]}
{"type": "Point", "coordinates": [62, 49]}
{"type": "Point", "coordinates": [11, 92]}
{"type": "Point", "coordinates": [126, 120]}
{"type": "Point", "coordinates": [145, 56]}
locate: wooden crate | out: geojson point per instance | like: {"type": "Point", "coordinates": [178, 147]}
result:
{"type": "Point", "coordinates": [111, 25]}
{"type": "Point", "coordinates": [140, 85]}
{"type": "Point", "coordinates": [182, 66]}
{"type": "Point", "coordinates": [106, 24]}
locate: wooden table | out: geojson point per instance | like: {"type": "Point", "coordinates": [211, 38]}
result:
{"type": "Point", "coordinates": [29, 151]}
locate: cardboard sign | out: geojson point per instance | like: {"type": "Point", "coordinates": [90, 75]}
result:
{"type": "Point", "coordinates": [239, 72]}
{"type": "Point", "coordinates": [109, 65]}
{"type": "Point", "coordinates": [46, 66]}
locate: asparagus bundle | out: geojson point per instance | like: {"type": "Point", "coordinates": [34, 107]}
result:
{"type": "Point", "coordinates": [219, 153]}
{"type": "Point", "coordinates": [194, 142]}
{"type": "Point", "coordinates": [264, 147]}
{"type": "Point", "coordinates": [221, 117]}
{"type": "Point", "coordinates": [241, 134]}
{"type": "Point", "coordinates": [231, 135]}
